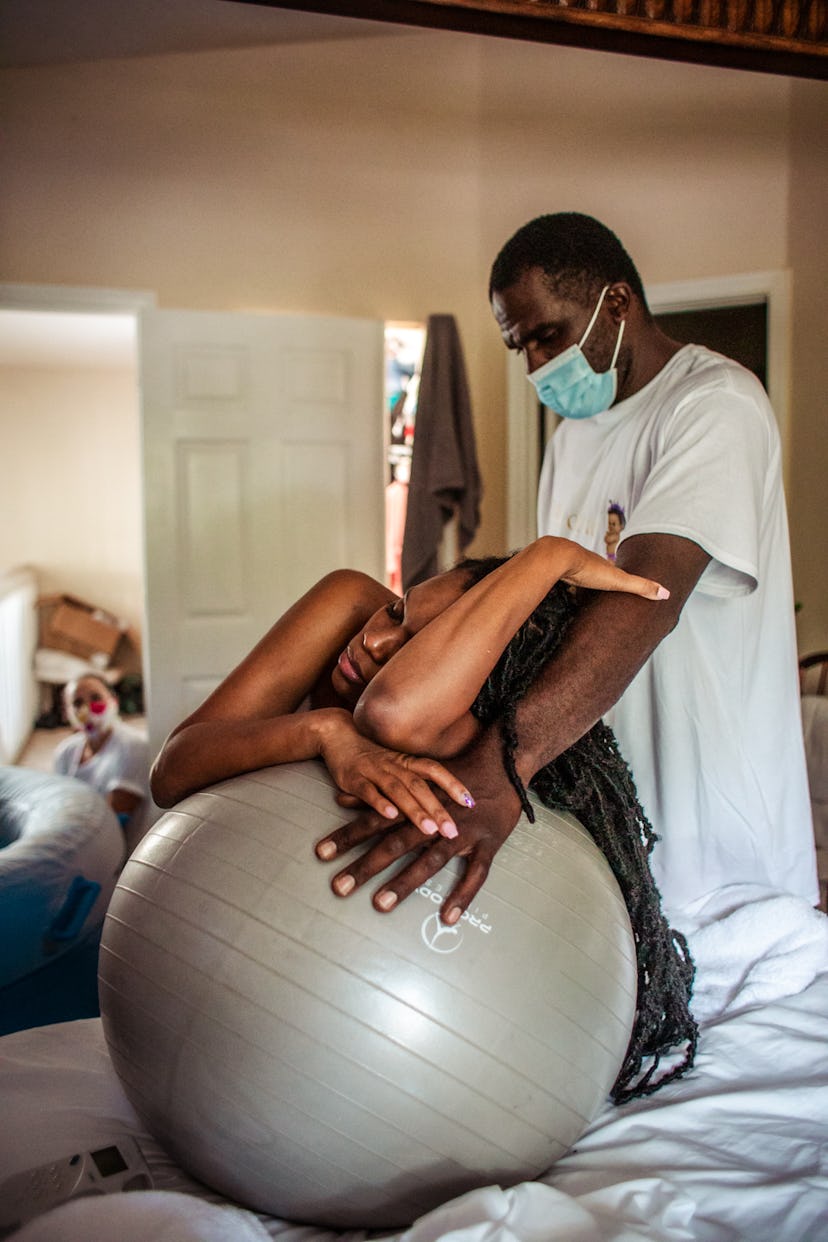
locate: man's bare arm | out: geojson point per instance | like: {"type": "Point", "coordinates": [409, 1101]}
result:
{"type": "Point", "coordinates": [609, 640]}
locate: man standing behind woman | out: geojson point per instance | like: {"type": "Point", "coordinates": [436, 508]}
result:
{"type": "Point", "coordinates": [702, 692]}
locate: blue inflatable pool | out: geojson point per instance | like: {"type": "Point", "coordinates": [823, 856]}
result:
{"type": "Point", "coordinates": [61, 849]}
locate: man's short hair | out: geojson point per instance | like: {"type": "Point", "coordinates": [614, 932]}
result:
{"type": "Point", "coordinates": [577, 254]}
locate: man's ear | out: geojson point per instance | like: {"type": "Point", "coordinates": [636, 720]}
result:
{"type": "Point", "coordinates": [619, 299]}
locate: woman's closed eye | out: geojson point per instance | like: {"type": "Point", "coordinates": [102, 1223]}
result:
{"type": "Point", "coordinates": [396, 609]}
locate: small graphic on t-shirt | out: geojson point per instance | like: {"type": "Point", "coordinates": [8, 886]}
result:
{"type": "Point", "coordinates": [616, 521]}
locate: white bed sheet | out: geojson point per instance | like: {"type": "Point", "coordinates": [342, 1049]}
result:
{"type": "Point", "coordinates": [736, 1150]}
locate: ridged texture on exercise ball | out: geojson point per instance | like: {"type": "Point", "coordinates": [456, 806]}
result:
{"type": "Point", "coordinates": [321, 1062]}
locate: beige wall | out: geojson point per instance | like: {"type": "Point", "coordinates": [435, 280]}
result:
{"type": "Point", "coordinates": [808, 251]}
{"type": "Point", "coordinates": [70, 484]}
{"type": "Point", "coordinates": [379, 178]}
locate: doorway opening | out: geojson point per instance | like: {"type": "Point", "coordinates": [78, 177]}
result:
{"type": "Point", "coordinates": [404, 347]}
{"type": "Point", "coordinates": [70, 398]}
{"type": "Point", "coordinates": [739, 332]}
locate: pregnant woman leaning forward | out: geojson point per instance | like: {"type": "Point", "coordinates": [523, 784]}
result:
{"type": "Point", "coordinates": [379, 727]}
{"type": "Point", "coordinates": [382, 688]}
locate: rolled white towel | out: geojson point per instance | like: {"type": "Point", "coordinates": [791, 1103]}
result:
{"type": "Point", "coordinates": [752, 946]}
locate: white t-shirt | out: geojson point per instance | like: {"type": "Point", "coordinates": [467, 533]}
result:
{"type": "Point", "coordinates": [711, 725]}
{"type": "Point", "coordinates": [121, 763]}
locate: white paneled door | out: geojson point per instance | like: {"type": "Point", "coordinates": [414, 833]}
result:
{"type": "Point", "coordinates": [263, 470]}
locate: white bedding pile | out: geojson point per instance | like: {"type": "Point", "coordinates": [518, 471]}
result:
{"type": "Point", "coordinates": [752, 946]}
{"type": "Point", "coordinates": [736, 1150]}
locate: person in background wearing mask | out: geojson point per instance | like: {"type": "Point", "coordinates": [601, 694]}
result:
{"type": "Point", "coordinates": [106, 754]}
{"type": "Point", "coordinates": [702, 693]}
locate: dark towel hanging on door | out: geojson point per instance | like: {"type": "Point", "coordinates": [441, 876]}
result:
{"type": "Point", "coordinates": [444, 473]}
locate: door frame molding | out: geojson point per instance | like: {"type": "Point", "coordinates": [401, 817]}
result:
{"type": "Point", "coordinates": [75, 298]}
{"type": "Point", "coordinates": [773, 288]}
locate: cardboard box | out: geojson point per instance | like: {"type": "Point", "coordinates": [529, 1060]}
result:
{"type": "Point", "coordinates": [71, 625]}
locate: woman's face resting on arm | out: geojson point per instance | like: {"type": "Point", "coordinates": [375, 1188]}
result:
{"type": "Point", "coordinates": [390, 628]}
{"type": "Point", "coordinates": [412, 673]}
{"type": "Point", "coordinates": [423, 696]}
{"type": "Point", "coordinates": [461, 622]}
{"type": "Point", "coordinates": [386, 709]}
{"type": "Point", "coordinates": [396, 622]}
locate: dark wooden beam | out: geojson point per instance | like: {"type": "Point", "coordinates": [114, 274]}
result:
{"type": "Point", "coordinates": [768, 36]}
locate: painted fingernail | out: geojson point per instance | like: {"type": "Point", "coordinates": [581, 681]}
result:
{"type": "Point", "coordinates": [453, 915]}
{"type": "Point", "coordinates": [662, 593]}
{"type": "Point", "coordinates": [429, 827]}
{"type": "Point", "coordinates": [449, 830]}
{"type": "Point", "coordinates": [387, 900]}
{"type": "Point", "coordinates": [468, 799]}
{"type": "Point", "coordinates": [326, 849]}
{"type": "Point", "coordinates": [344, 885]}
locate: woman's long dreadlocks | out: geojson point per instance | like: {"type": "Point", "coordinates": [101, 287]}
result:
{"type": "Point", "coordinates": [592, 781]}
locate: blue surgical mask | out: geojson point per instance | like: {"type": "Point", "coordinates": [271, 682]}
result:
{"type": "Point", "coordinates": [568, 385]}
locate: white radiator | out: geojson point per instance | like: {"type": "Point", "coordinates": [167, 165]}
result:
{"type": "Point", "coordinates": [18, 640]}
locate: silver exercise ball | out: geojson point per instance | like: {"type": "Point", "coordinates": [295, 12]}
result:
{"type": "Point", "coordinates": [321, 1062]}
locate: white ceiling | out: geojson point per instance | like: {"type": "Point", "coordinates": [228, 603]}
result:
{"type": "Point", "coordinates": [54, 32]}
